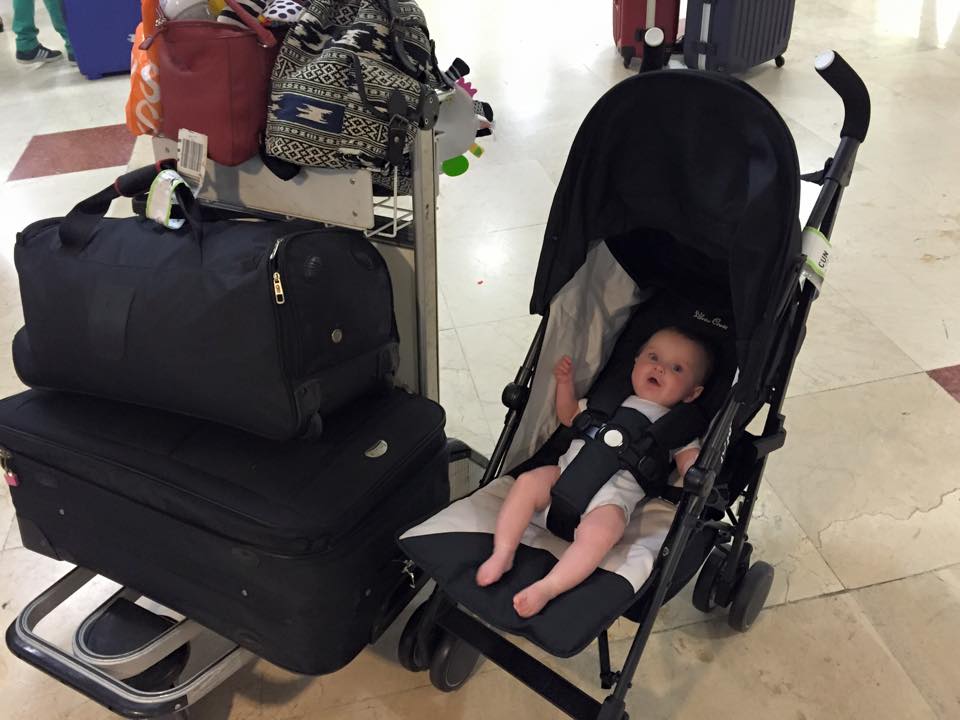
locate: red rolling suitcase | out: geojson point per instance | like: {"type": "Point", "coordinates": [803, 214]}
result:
{"type": "Point", "coordinates": [631, 18]}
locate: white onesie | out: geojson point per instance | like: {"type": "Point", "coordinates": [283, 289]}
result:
{"type": "Point", "coordinates": [621, 489]}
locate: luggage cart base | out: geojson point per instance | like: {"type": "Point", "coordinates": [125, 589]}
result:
{"type": "Point", "coordinates": [128, 681]}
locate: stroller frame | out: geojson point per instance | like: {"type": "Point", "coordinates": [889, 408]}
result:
{"type": "Point", "coordinates": [449, 641]}
{"type": "Point", "coordinates": [409, 245]}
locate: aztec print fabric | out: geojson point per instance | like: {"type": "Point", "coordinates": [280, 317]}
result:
{"type": "Point", "coordinates": [334, 79]}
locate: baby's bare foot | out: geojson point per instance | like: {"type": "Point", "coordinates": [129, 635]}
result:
{"type": "Point", "coordinates": [494, 568]}
{"type": "Point", "coordinates": [529, 601]}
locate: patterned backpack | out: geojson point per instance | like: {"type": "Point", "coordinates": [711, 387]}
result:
{"type": "Point", "coordinates": [352, 83]}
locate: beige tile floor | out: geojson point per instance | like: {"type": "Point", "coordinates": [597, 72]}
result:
{"type": "Point", "coordinates": [861, 514]}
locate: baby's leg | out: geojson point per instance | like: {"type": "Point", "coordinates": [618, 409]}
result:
{"type": "Point", "coordinates": [597, 533]}
{"type": "Point", "coordinates": [529, 494]}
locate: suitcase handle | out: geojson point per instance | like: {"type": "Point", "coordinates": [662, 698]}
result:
{"type": "Point", "coordinates": [78, 226]}
{"type": "Point", "coordinates": [856, 100]}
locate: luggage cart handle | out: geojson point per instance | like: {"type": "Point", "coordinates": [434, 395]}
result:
{"type": "Point", "coordinates": [856, 100]}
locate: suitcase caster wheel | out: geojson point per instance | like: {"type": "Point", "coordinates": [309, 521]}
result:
{"type": "Point", "coordinates": [408, 651]}
{"type": "Point", "coordinates": [750, 596]}
{"type": "Point", "coordinates": [453, 663]}
{"type": "Point", "coordinates": [779, 61]}
{"type": "Point", "coordinates": [704, 592]}
{"type": "Point", "coordinates": [627, 53]}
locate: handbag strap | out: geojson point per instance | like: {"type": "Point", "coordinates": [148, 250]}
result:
{"type": "Point", "coordinates": [80, 224]}
{"type": "Point", "coordinates": [407, 64]}
{"type": "Point", "coordinates": [266, 37]}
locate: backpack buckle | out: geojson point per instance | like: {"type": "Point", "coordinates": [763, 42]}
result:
{"type": "Point", "coordinates": [398, 109]}
{"type": "Point", "coordinates": [396, 140]}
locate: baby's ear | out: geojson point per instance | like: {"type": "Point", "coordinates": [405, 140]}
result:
{"type": "Point", "coordinates": [694, 395]}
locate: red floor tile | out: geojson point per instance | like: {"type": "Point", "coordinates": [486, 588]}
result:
{"type": "Point", "coordinates": [949, 379]}
{"type": "Point", "coordinates": [73, 151]}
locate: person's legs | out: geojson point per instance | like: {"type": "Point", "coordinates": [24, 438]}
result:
{"type": "Point", "coordinates": [24, 26]}
{"type": "Point", "coordinates": [55, 8]}
{"type": "Point", "coordinates": [530, 494]}
{"type": "Point", "coordinates": [597, 533]}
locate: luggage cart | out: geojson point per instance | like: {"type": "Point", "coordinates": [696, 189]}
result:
{"type": "Point", "coordinates": [141, 660]}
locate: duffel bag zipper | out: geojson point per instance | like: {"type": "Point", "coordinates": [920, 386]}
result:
{"type": "Point", "coordinates": [278, 295]}
{"type": "Point", "coordinates": [285, 312]}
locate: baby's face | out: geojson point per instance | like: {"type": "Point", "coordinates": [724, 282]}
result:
{"type": "Point", "coordinates": [669, 369]}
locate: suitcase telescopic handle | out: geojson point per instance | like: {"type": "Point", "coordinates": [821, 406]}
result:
{"type": "Point", "coordinates": [79, 225]}
{"type": "Point", "coordinates": [856, 100]}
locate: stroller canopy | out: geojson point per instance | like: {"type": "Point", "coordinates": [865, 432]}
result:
{"type": "Point", "coordinates": [693, 181]}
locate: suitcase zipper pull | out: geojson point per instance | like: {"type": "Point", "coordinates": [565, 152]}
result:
{"type": "Point", "coordinates": [278, 288]}
{"type": "Point", "coordinates": [8, 474]}
{"type": "Point", "coordinates": [277, 282]}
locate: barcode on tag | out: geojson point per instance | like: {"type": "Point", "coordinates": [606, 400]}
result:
{"type": "Point", "coordinates": [192, 157]}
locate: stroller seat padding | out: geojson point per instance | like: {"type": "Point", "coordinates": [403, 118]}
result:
{"type": "Point", "coordinates": [452, 544]}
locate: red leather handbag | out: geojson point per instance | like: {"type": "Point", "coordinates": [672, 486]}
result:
{"type": "Point", "coordinates": [215, 80]}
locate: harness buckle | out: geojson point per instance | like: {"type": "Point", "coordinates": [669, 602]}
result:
{"type": "Point", "coordinates": [613, 436]}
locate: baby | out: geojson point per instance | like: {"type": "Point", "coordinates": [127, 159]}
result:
{"type": "Point", "coordinates": [672, 367]}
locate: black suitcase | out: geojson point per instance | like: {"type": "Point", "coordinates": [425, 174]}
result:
{"type": "Point", "coordinates": [735, 35]}
{"type": "Point", "coordinates": [265, 326]}
{"type": "Point", "coordinates": [288, 549]}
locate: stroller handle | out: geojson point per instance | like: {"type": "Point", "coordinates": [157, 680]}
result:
{"type": "Point", "coordinates": [856, 100]}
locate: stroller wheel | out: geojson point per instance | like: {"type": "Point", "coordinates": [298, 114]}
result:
{"type": "Point", "coordinates": [705, 591]}
{"type": "Point", "coordinates": [408, 651]}
{"type": "Point", "coordinates": [750, 596]}
{"type": "Point", "coordinates": [453, 663]}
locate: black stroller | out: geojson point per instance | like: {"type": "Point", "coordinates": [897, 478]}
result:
{"type": "Point", "coordinates": [678, 206]}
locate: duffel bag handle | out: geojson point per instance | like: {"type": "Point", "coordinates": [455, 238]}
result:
{"type": "Point", "coordinates": [392, 9]}
{"type": "Point", "coordinates": [267, 38]}
{"type": "Point", "coordinates": [78, 226]}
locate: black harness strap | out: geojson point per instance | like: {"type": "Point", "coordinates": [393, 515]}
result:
{"type": "Point", "coordinates": [599, 459]}
{"type": "Point", "coordinates": [624, 440]}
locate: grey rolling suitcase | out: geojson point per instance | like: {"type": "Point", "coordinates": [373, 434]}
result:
{"type": "Point", "coordinates": [735, 35]}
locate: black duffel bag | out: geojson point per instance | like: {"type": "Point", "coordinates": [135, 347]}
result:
{"type": "Point", "coordinates": [262, 325]}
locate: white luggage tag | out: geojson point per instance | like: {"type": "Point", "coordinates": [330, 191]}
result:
{"type": "Point", "coordinates": [816, 246]}
{"type": "Point", "coordinates": [192, 158]}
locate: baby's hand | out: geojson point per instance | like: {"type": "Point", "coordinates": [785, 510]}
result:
{"type": "Point", "coordinates": [563, 370]}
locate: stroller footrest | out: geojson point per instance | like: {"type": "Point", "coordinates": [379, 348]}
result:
{"type": "Point", "coordinates": [528, 670]}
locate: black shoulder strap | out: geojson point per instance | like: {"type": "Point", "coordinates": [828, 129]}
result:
{"type": "Point", "coordinates": [679, 426]}
{"type": "Point", "coordinates": [607, 399]}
